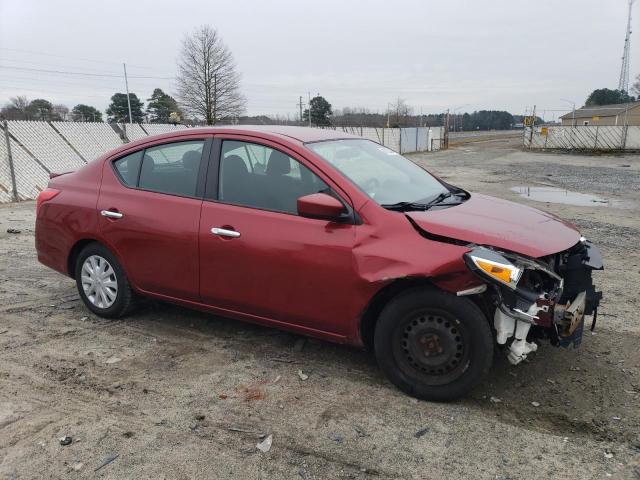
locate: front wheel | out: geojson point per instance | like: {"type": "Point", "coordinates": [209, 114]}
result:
{"type": "Point", "coordinates": [102, 282]}
{"type": "Point", "coordinates": [432, 344]}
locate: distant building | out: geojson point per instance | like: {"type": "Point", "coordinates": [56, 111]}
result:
{"type": "Point", "coordinates": [619, 114]}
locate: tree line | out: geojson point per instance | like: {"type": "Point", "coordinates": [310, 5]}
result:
{"type": "Point", "coordinates": [161, 108]}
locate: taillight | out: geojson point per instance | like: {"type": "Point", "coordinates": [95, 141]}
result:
{"type": "Point", "coordinates": [46, 195]}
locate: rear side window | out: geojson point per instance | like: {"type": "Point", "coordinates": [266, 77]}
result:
{"type": "Point", "coordinates": [172, 168]}
{"type": "Point", "coordinates": [128, 168]}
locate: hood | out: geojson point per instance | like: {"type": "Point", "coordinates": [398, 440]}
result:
{"type": "Point", "coordinates": [486, 220]}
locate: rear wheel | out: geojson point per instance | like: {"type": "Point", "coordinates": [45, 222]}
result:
{"type": "Point", "coordinates": [102, 282]}
{"type": "Point", "coordinates": [433, 345]}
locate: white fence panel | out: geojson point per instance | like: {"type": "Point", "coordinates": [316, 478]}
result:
{"type": "Point", "coordinates": [583, 137]}
{"type": "Point", "coordinates": [133, 131]}
{"type": "Point", "coordinates": [6, 185]}
{"type": "Point", "coordinates": [423, 142]}
{"type": "Point", "coordinates": [82, 138]}
{"type": "Point", "coordinates": [633, 138]}
{"type": "Point", "coordinates": [42, 148]}
{"type": "Point", "coordinates": [46, 145]}
{"type": "Point", "coordinates": [402, 140]}
{"type": "Point", "coordinates": [31, 178]}
{"type": "Point", "coordinates": [420, 139]}
{"type": "Point", "coordinates": [158, 128]}
{"type": "Point", "coordinates": [408, 140]}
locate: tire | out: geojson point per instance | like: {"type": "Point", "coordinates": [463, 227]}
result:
{"type": "Point", "coordinates": [433, 345]}
{"type": "Point", "coordinates": [117, 299]}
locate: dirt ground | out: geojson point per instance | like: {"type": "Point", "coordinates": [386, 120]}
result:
{"type": "Point", "coordinates": [181, 394]}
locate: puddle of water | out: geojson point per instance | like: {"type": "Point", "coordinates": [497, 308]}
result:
{"type": "Point", "coordinates": [560, 195]}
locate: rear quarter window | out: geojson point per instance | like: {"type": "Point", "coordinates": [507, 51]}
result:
{"type": "Point", "coordinates": [128, 168]}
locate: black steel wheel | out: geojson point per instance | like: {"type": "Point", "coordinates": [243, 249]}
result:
{"type": "Point", "coordinates": [432, 344]}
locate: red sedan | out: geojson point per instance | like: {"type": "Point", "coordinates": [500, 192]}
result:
{"type": "Point", "coordinates": [324, 234]}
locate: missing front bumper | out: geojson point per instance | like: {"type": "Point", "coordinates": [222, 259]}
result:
{"type": "Point", "coordinates": [568, 326]}
{"type": "Point", "coordinates": [551, 303]}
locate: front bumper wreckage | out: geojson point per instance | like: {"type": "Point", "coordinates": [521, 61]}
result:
{"type": "Point", "coordinates": [549, 297]}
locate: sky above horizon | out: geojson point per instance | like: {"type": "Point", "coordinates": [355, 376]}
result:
{"type": "Point", "coordinates": [460, 54]}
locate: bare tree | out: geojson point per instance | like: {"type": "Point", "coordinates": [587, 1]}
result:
{"type": "Point", "coordinates": [20, 102]}
{"type": "Point", "coordinates": [208, 83]}
{"type": "Point", "coordinates": [400, 110]}
{"type": "Point", "coordinates": [60, 112]}
{"type": "Point", "coordinates": [16, 109]}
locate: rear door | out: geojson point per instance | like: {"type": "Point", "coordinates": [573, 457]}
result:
{"type": "Point", "coordinates": [149, 210]}
{"type": "Point", "coordinates": [258, 257]}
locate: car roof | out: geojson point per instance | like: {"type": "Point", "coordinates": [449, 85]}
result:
{"type": "Point", "coordinates": [302, 134]}
{"type": "Point", "coordinates": [273, 132]}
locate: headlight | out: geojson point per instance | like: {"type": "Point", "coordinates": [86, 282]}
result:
{"type": "Point", "coordinates": [493, 266]}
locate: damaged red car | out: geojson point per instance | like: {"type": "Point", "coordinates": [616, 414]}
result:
{"type": "Point", "coordinates": [323, 234]}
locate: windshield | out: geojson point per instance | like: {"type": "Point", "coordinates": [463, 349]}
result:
{"type": "Point", "coordinates": [387, 177]}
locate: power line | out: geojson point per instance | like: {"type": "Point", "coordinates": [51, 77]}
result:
{"type": "Point", "coordinates": [74, 82]}
{"type": "Point", "coordinates": [44, 54]}
{"type": "Point", "coordinates": [86, 74]}
{"type": "Point", "coordinates": [38, 64]}
{"type": "Point", "coordinates": [108, 83]}
{"type": "Point", "coordinates": [49, 91]}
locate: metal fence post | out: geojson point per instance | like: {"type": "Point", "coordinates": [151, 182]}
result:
{"type": "Point", "coordinates": [399, 140]}
{"type": "Point", "coordinates": [12, 170]}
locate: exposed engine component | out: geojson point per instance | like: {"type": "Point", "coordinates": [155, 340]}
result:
{"type": "Point", "coordinates": [553, 293]}
{"type": "Point", "coordinates": [506, 327]}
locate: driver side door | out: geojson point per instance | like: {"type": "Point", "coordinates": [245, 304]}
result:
{"type": "Point", "coordinates": [269, 263]}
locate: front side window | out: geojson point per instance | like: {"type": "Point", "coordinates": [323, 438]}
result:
{"type": "Point", "coordinates": [172, 168]}
{"type": "Point", "coordinates": [384, 175]}
{"type": "Point", "coordinates": [257, 176]}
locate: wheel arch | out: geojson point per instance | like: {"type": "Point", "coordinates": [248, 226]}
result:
{"type": "Point", "coordinates": [381, 299]}
{"type": "Point", "coordinates": [75, 252]}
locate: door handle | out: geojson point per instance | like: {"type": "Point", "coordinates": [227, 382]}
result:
{"type": "Point", "coordinates": [223, 232]}
{"type": "Point", "coordinates": [111, 214]}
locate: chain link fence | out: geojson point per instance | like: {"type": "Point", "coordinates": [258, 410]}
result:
{"type": "Point", "coordinates": [401, 140]}
{"type": "Point", "coordinates": [31, 150]}
{"type": "Point", "coordinates": [583, 138]}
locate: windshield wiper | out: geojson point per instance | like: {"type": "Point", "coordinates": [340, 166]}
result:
{"type": "Point", "coordinates": [405, 206]}
{"type": "Point", "coordinates": [433, 202]}
{"type": "Point", "coordinates": [438, 198]}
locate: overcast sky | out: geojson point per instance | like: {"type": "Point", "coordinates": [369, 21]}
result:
{"type": "Point", "coordinates": [478, 54]}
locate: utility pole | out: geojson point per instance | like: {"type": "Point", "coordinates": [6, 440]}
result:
{"type": "Point", "coordinates": [12, 170]}
{"type": "Point", "coordinates": [573, 110]}
{"type": "Point", "coordinates": [309, 93]}
{"type": "Point", "coordinates": [533, 123]}
{"type": "Point", "coordinates": [126, 83]}
{"type": "Point", "coordinates": [446, 130]}
{"type": "Point", "coordinates": [301, 104]}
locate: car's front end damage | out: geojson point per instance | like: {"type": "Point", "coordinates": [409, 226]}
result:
{"type": "Point", "coordinates": [537, 297]}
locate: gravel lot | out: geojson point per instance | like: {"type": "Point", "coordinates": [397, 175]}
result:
{"type": "Point", "coordinates": [181, 394]}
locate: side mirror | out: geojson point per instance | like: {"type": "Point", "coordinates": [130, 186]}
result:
{"type": "Point", "coordinates": [321, 206]}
